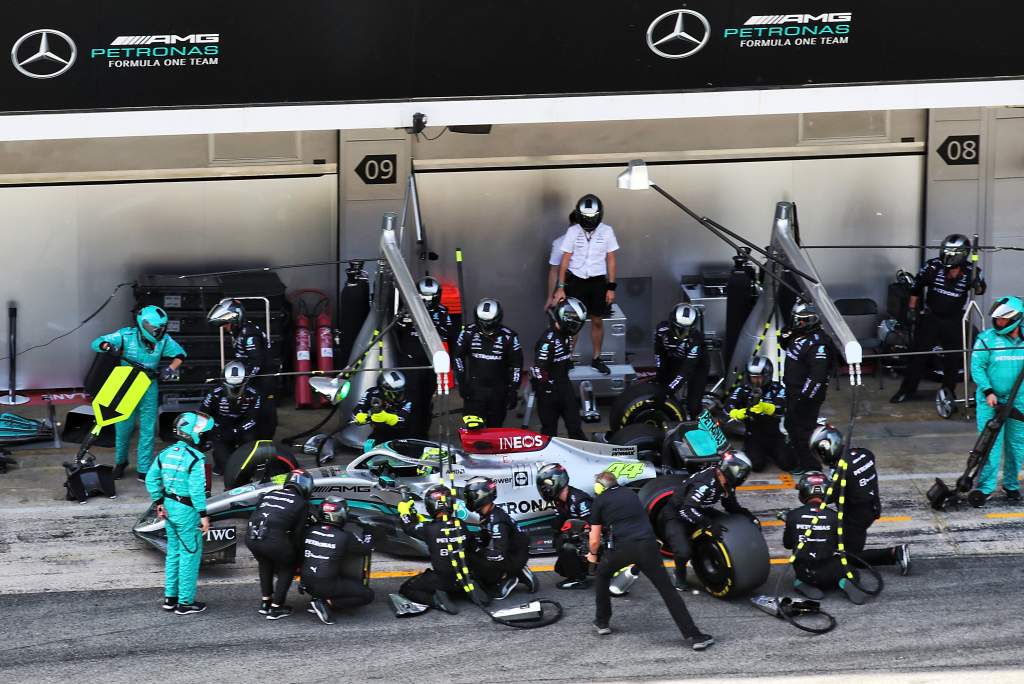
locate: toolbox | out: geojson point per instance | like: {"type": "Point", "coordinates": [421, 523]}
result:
{"type": "Point", "coordinates": [611, 385]}
{"type": "Point", "coordinates": [173, 293]}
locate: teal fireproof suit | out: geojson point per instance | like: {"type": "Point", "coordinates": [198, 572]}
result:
{"type": "Point", "coordinates": [996, 371]}
{"type": "Point", "coordinates": [130, 343]}
{"type": "Point", "coordinates": [179, 473]}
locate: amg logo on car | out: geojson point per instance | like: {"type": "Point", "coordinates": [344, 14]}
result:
{"type": "Point", "coordinates": [535, 506]}
{"type": "Point", "coordinates": [520, 442]}
{"type": "Point", "coordinates": [218, 534]}
{"type": "Point", "coordinates": [195, 38]}
{"type": "Point", "coordinates": [343, 489]}
{"type": "Point", "coordinates": [825, 18]}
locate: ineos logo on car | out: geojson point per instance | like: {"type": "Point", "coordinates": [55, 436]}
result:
{"type": "Point", "coordinates": [520, 442]}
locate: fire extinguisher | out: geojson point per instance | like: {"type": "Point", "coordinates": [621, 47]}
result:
{"type": "Point", "coordinates": [304, 343]}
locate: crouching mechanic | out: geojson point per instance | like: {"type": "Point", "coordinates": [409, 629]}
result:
{"type": "Point", "coordinates": [499, 551]}
{"type": "Point", "coordinates": [689, 508]}
{"type": "Point", "coordinates": [857, 493]}
{"type": "Point", "coordinates": [274, 535]}
{"type": "Point", "coordinates": [435, 586]}
{"type": "Point", "coordinates": [997, 360]}
{"type": "Point", "coordinates": [235, 406]}
{"type": "Point", "coordinates": [571, 524]}
{"type": "Point", "coordinates": [327, 549]}
{"type": "Point", "coordinates": [177, 485]}
{"type": "Point", "coordinates": [385, 408]}
{"type": "Point", "coordinates": [759, 404]}
{"type": "Point", "coordinates": [145, 344]}
{"type": "Point", "coordinates": [812, 532]}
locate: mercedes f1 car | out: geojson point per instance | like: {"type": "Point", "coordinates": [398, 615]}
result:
{"type": "Point", "coordinates": [374, 483]}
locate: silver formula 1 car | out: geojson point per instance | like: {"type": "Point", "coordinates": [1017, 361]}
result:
{"type": "Point", "coordinates": [372, 482]}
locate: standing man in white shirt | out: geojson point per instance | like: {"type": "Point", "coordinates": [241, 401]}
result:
{"type": "Point", "coordinates": [587, 270]}
{"type": "Point", "coordinates": [554, 263]}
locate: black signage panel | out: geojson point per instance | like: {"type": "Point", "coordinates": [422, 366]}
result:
{"type": "Point", "coordinates": [960, 150]}
{"type": "Point", "coordinates": [59, 55]}
{"type": "Point", "coordinates": [378, 169]}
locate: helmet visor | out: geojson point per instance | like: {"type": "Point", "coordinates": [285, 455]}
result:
{"type": "Point", "coordinates": [155, 331]}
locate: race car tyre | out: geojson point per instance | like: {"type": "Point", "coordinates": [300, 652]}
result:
{"type": "Point", "coordinates": [264, 457]}
{"type": "Point", "coordinates": [733, 564]}
{"type": "Point", "coordinates": [648, 440]}
{"type": "Point", "coordinates": [645, 402]}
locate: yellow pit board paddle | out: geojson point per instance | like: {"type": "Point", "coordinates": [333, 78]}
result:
{"type": "Point", "coordinates": [119, 395]}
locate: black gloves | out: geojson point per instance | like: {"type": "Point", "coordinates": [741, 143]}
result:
{"type": "Point", "coordinates": [169, 374]}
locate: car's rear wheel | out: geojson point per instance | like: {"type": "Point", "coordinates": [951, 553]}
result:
{"type": "Point", "coordinates": [648, 440]}
{"type": "Point", "coordinates": [646, 402]}
{"type": "Point", "coordinates": [264, 456]}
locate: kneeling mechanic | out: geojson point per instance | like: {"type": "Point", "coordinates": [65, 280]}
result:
{"type": "Point", "coordinates": [500, 549]}
{"type": "Point", "coordinates": [326, 550]}
{"type": "Point", "coordinates": [571, 523]}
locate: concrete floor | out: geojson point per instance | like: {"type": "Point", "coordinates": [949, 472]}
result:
{"type": "Point", "coordinates": [958, 613]}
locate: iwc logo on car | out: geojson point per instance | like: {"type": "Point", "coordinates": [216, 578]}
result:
{"type": "Point", "coordinates": [160, 51]}
{"type": "Point", "coordinates": [785, 30]}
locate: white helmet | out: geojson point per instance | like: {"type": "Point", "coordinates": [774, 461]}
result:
{"type": "Point", "coordinates": [488, 314]}
{"type": "Point", "coordinates": [684, 317]}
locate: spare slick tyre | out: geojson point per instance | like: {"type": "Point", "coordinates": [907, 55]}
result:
{"type": "Point", "coordinates": [263, 459]}
{"type": "Point", "coordinates": [734, 563]}
{"type": "Point", "coordinates": [646, 402]}
{"type": "Point", "coordinates": [648, 440]}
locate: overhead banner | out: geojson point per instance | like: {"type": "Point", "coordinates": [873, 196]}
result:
{"type": "Point", "coordinates": [70, 55]}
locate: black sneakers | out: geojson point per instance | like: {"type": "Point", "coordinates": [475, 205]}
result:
{"type": "Point", "coordinates": [573, 583]}
{"type": "Point", "coordinates": [170, 603]}
{"type": "Point", "coordinates": [278, 612]}
{"type": "Point", "coordinates": [141, 477]}
{"type": "Point", "coordinates": [321, 610]}
{"type": "Point", "coordinates": [264, 607]}
{"type": "Point", "coordinates": [977, 498]}
{"type": "Point", "coordinates": [808, 590]}
{"type": "Point", "coordinates": [529, 580]}
{"type": "Point", "coordinates": [1012, 494]}
{"type": "Point", "coordinates": [442, 601]}
{"type": "Point", "coordinates": [119, 470]}
{"type": "Point", "coordinates": [853, 592]}
{"type": "Point", "coordinates": [602, 630]}
{"type": "Point", "coordinates": [680, 577]}
{"type": "Point", "coordinates": [901, 397]}
{"type": "Point", "coordinates": [189, 608]}
{"type": "Point", "coordinates": [506, 587]}
{"type": "Point", "coordinates": [701, 642]}
{"type": "Point", "coordinates": [601, 367]}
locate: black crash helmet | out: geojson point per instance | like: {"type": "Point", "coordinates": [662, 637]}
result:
{"type": "Point", "coordinates": [478, 492]}
{"type": "Point", "coordinates": [551, 480]}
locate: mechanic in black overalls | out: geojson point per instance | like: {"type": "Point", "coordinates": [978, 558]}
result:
{"type": "Point", "coordinates": [499, 551]}
{"type": "Point", "coordinates": [808, 360]}
{"type": "Point", "coordinates": [275, 535]}
{"type": "Point", "coordinates": [436, 585]}
{"type": "Point", "coordinates": [571, 523]}
{"type": "Point", "coordinates": [948, 278]}
{"type": "Point", "coordinates": [488, 365]}
{"type": "Point", "coordinates": [759, 404]}
{"type": "Point", "coordinates": [385, 408]}
{"type": "Point", "coordinates": [618, 512]}
{"type": "Point", "coordinates": [251, 346]}
{"type": "Point", "coordinates": [552, 359]}
{"type": "Point", "coordinates": [421, 384]}
{"type": "Point", "coordinates": [687, 510]}
{"type": "Point", "coordinates": [812, 531]}
{"type": "Point", "coordinates": [862, 504]}
{"type": "Point", "coordinates": [681, 358]}
{"type": "Point", "coordinates": [326, 548]}
{"type": "Point", "coordinates": [235, 407]}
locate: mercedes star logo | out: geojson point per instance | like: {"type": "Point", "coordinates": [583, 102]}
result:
{"type": "Point", "coordinates": [678, 33]}
{"type": "Point", "coordinates": [48, 57]}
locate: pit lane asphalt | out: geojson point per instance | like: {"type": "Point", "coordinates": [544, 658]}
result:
{"type": "Point", "coordinates": [952, 617]}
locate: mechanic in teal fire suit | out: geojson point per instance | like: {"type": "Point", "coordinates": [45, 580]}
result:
{"type": "Point", "coordinates": [996, 362]}
{"type": "Point", "coordinates": [177, 485]}
{"type": "Point", "coordinates": [145, 344]}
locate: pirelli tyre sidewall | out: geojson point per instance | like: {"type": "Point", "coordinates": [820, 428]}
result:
{"type": "Point", "coordinates": [243, 464]}
{"type": "Point", "coordinates": [734, 564]}
{"type": "Point", "coordinates": [645, 402]}
{"type": "Point", "coordinates": [648, 440]}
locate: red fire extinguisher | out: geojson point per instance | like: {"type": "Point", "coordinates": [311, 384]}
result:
{"type": "Point", "coordinates": [304, 339]}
